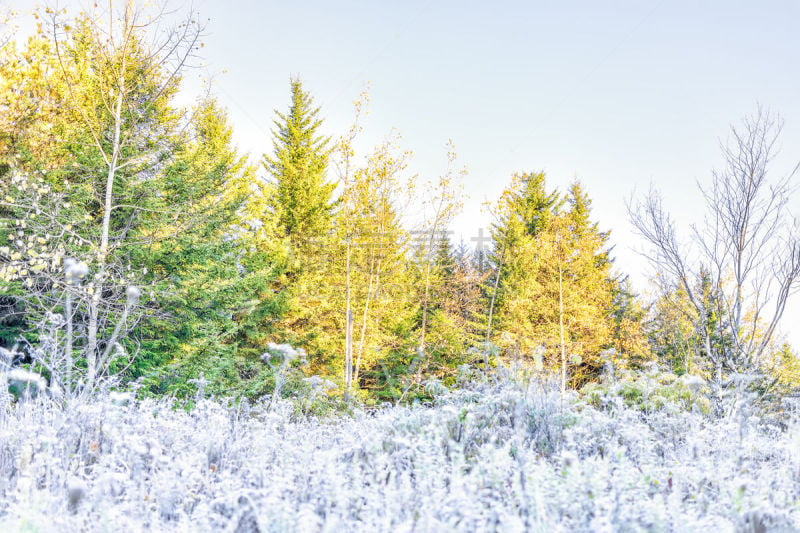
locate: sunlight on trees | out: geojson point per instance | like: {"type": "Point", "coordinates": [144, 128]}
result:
{"type": "Point", "coordinates": [138, 247]}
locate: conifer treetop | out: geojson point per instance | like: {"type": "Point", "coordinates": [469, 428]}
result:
{"type": "Point", "coordinates": [298, 165]}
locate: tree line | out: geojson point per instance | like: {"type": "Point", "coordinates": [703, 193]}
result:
{"type": "Point", "coordinates": [137, 243]}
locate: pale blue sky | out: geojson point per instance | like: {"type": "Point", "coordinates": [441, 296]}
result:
{"type": "Point", "coordinates": [620, 94]}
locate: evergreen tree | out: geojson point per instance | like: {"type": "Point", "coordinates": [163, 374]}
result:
{"type": "Point", "coordinates": [555, 283]}
{"type": "Point", "coordinates": [524, 210]}
{"type": "Point", "coordinates": [471, 276]}
{"type": "Point", "coordinates": [630, 341]}
{"type": "Point", "coordinates": [302, 197]}
{"type": "Point", "coordinates": [589, 286]}
{"type": "Point", "coordinates": [211, 283]}
{"type": "Point", "coordinates": [456, 308]}
{"type": "Point", "coordinates": [157, 215]}
{"type": "Point", "coordinates": [671, 332]}
{"type": "Point", "coordinates": [298, 206]}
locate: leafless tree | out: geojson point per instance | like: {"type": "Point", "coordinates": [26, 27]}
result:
{"type": "Point", "coordinates": [740, 267]}
{"type": "Point", "coordinates": [443, 203]}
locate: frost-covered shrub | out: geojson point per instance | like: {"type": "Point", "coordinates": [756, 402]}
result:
{"type": "Point", "coordinates": [649, 391]}
{"type": "Point", "coordinates": [22, 383]}
{"type": "Point", "coordinates": [316, 396]}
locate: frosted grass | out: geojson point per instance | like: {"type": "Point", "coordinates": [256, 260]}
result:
{"type": "Point", "coordinates": [490, 458]}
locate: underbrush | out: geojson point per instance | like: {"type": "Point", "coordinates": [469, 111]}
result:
{"type": "Point", "coordinates": [506, 454]}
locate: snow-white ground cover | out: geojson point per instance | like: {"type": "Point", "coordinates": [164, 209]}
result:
{"type": "Point", "coordinates": [487, 458]}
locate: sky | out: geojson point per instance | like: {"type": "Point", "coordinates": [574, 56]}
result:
{"type": "Point", "coordinates": [622, 95]}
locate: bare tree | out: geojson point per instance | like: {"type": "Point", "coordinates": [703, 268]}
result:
{"type": "Point", "coordinates": [740, 267]}
{"type": "Point", "coordinates": [344, 166]}
{"type": "Point", "coordinates": [444, 204]}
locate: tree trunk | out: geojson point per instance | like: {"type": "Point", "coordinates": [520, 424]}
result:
{"type": "Point", "coordinates": [348, 335]}
{"type": "Point", "coordinates": [561, 330]}
{"type": "Point", "coordinates": [102, 255]}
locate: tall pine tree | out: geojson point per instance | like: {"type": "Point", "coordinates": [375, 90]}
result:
{"type": "Point", "coordinates": [212, 279]}
{"type": "Point", "coordinates": [524, 210]}
{"type": "Point", "coordinates": [302, 198]}
{"type": "Point", "coordinates": [555, 287]}
{"type": "Point", "coordinates": [299, 205]}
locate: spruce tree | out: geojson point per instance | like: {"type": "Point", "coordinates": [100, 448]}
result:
{"type": "Point", "coordinates": [299, 206]}
{"type": "Point", "coordinates": [303, 196]}
{"type": "Point", "coordinates": [588, 285]}
{"type": "Point", "coordinates": [524, 210]}
{"type": "Point", "coordinates": [555, 287]}
{"type": "Point", "coordinates": [214, 283]}
{"type": "Point", "coordinates": [456, 300]}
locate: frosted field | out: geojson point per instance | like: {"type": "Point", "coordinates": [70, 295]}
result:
{"type": "Point", "coordinates": [490, 458]}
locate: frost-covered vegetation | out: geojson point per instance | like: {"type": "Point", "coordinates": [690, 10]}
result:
{"type": "Point", "coordinates": [497, 455]}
